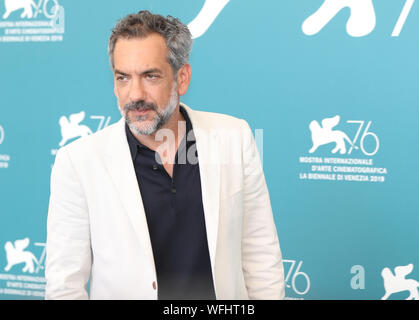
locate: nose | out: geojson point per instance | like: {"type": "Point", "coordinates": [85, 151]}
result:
{"type": "Point", "coordinates": [137, 90]}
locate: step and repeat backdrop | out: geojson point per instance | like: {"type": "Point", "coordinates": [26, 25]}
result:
{"type": "Point", "coordinates": [330, 88]}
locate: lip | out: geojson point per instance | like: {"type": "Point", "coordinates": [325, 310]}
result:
{"type": "Point", "coordinates": [140, 112]}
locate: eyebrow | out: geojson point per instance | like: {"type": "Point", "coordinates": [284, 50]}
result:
{"type": "Point", "coordinates": [152, 70]}
{"type": "Point", "coordinates": [120, 72]}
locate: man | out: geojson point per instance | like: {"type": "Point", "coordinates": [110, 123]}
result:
{"type": "Point", "coordinates": [168, 203]}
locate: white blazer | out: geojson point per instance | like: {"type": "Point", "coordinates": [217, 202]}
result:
{"type": "Point", "coordinates": [97, 227]}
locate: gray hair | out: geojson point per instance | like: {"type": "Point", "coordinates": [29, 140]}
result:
{"type": "Point", "coordinates": [140, 25]}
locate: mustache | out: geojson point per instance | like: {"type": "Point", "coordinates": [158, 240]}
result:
{"type": "Point", "coordinates": [139, 105]}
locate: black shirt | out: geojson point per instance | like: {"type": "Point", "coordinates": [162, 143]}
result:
{"type": "Point", "coordinates": [175, 218]}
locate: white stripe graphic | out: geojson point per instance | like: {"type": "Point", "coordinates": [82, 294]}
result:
{"type": "Point", "coordinates": [402, 19]}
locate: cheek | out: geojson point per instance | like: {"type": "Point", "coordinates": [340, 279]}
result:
{"type": "Point", "coordinates": [120, 96]}
{"type": "Point", "coordinates": [165, 96]}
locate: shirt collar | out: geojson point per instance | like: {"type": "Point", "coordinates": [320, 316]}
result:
{"type": "Point", "coordinates": [134, 144]}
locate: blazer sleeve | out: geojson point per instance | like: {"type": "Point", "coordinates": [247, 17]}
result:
{"type": "Point", "coordinates": [68, 260]}
{"type": "Point", "coordinates": [261, 255]}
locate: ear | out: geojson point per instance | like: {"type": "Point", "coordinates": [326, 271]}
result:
{"type": "Point", "coordinates": [184, 78]}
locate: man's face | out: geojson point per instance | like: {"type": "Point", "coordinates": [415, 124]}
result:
{"type": "Point", "coordinates": [144, 83]}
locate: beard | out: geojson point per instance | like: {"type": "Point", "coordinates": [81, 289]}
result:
{"type": "Point", "coordinates": [139, 125]}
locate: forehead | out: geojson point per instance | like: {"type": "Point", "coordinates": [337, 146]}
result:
{"type": "Point", "coordinates": [150, 51]}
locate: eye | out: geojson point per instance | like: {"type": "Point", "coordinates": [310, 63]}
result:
{"type": "Point", "coordinates": [121, 78]}
{"type": "Point", "coordinates": [152, 76]}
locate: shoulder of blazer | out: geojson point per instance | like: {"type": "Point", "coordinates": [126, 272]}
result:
{"type": "Point", "coordinates": [213, 120]}
{"type": "Point", "coordinates": [97, 142]}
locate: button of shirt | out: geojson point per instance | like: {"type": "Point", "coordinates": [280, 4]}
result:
{"type": "Point", "coordinates": [155, 167]}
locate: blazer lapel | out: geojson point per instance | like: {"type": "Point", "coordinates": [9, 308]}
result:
{"type": "Point", "coordinates": [209, 168]}
{"type": "Point", "coordinates": [122, 172]}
